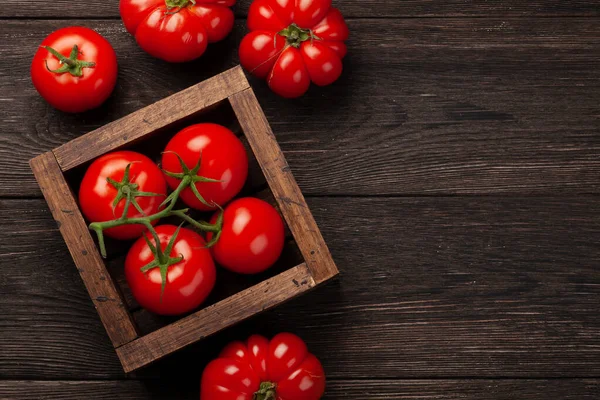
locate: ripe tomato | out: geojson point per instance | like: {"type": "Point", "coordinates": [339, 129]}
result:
{"type": "Point", "coordinates": [177, 30]}
{"type": "Point", "coordinates": [252, 236]}
{"type": "Point", "coordinates": [292, 43]}
{"type": "Point", "coordinates": [75, 69]}
{"type": "Point", "coordinates": [222, 157]}
{"type": "Point", "coordinates": [97, 195]}
{"type": "Point", "coordinates": [281, 369]}
{"type": "Point", "coordinates": [188, 282]}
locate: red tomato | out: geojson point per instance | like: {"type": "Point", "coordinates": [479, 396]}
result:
{"type": "Point", "coordinates": [75, 69]}
{"type": "Point", "coordinates": [177, 30]}
{"type": "Point", "coordinates": [294, 42]}
{"type": "Point", "coordinates": [188, 282]}
{"type": "Point", "coordinates": [97, 194]}
{"type": "Point", "coordinates": [252, 236]}
{"type": "Point", "coordinates": [281, 369]}
{"type": "Point", "coordinates": [223, 158]}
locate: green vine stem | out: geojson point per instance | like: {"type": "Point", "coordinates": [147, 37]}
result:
{"type": "Point", "coordinates": [127, 190]}
{"type": "Point", "coordinates": [162, 259]}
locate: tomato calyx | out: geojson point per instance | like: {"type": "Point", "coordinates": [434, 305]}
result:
{"type": "Point", "coordinates": [178, 5]}
{"type": "Point", "coordinates": [128, 190]}
{"type": "Point", "coordinates": [162, 259]}
{"type": "Point", "coordinates": [189, 178]}
{"type": "Point", "coordinates": [70, 64]}
{"type": "Point", "coordinates": [266, 392]}
{"type": "Point", "coordinates": [295, 35]}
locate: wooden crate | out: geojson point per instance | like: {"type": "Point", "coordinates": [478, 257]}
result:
{"type": "Point", "coordinates": [225, 98]}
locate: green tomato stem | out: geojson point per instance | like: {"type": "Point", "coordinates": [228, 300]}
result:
{"type": "Point", "coordinates": [70, 64]}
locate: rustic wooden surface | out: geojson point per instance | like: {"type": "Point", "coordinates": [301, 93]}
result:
{"type": "Point", "coordinates": [454, 171]}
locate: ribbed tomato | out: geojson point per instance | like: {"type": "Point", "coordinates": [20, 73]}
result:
{"type": "Point", "coordinates": [281, 369]}
{"type": "Point", "coordinates": [294, 42]}
{"type": "Point", "coordinates": [177, 30]}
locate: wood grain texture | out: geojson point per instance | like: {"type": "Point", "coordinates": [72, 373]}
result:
{"type": "Point", "coordinates": [446, 106]}
{"type": "Point", "coordinates": [150, 119]}
{"type": "Point", "coordinates": [463, 389]}
{"type": "Point", "coordinates": [438, 287]}
{"type": "Point", "coordinates": [215, 318]}
{"type": "Point", "coordinates": [103, 293]}
{"type": "Point", "coordinates": [352, 9]}
{"type": "Point", "coordinates": [283, 186]}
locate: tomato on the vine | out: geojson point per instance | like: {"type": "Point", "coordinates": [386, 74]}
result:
{"type": "Point", "coordinates": [216, 163]}
{"type": "Point", "coordinates": [113, 179]}
{"type": "Point", "coordinates": [281, 369]}
{"type": "Point", "coordinates": [292, 43]}
{"type": "Point", "coordinates": [177, 30]}
{"type": "Point", "coordinates": [74, 69]}
{"type": "Point", "coordinates": [175, 281]}
{"type": "Point", "coordinates": [251, 238]}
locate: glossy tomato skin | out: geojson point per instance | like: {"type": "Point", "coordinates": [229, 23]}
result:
{"type": "Point", "coordinates": [96, 195]}
{"type": "Point", "coordinates": [252, 236]}
{"type": "Point", "coordinates": [289, 66]}
{"type": "Point", "coordinates": [224, 158]}
{"type": "Point", "coordinates": [284, 362]}
{"type": "Point", "coordinates": [189, 282]}
{"type": "Point", "coordinates": [64, 91]}
{"type": "Point", "coordinates": [177, 35]}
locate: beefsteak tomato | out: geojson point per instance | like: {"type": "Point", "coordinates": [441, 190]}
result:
{"type": "Point", "coordinates": [294, 42]}
{"type": "Point", "coordinates": [216, 165]}
{"type": "Point", "coordinates": [177, 30]}
{"type": "Point", "coordinates": [251, 238]}
{"type": "Point", "coordinates": [113, 179]}
{"type": "Point", "coordinates": [75, 69]}
{"type": "Point", "coordinates": [175, 279]}
{"type": "Point", "coordinates": [281, 369]}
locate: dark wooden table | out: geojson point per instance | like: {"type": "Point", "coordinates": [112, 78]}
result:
{"type": "Point", "coordinates": [454, 170]}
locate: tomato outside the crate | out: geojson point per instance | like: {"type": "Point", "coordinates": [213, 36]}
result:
{"type": "Point", "coordinates": [294, 42]}
{"type": "Point", "coordinates": [97, 194]}
{"type": "Point", "coordinates": [177, 30]}
{"type": "Point", "coordinates": [74, 69]}
{"type": "Point", "coordinates": [259, 369]}
{"type": "Point", "coordinates": [187, 271]}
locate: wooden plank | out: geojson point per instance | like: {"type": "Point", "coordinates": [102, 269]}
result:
{"type": "Point", "coordinates": [448, 106]}
{"type": "Point", "coordinates": [150, 119]}
{"type": "Point", "coordinates": [350, 8]}
{"type": "Point", "coordinates": [463, 389]}
{"type": "Point", "coordinates": [283, 186]}
{"type": "Point", "coordinates": [107, 300]}
{"type": "Point", "coordinates": [437, 287]}
{"type": "Point", "coordinates": [216, 317]}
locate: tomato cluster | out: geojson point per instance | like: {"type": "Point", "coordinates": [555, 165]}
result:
{"type": "Point", "coordinates": [291, 44]}
{"type": "Point", "coordinates": [170, 269]}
